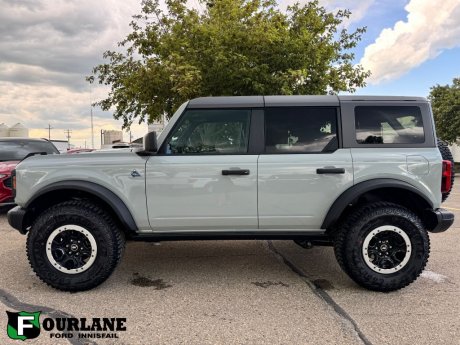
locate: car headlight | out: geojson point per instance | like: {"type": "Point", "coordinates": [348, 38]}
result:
{"type": "Point", "coordinates": [3, 175]}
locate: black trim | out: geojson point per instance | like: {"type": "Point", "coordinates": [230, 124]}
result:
{"type": "Point", "coordinates": [114, 202]}
{"type": "Point", "coordinates": [354, 192]}
{"type": "Point", "coordinates": [16, 218]}
{"type": "Point", "coordinates": [234, 235]}
{"type": "Point", "coordinates": [330, 171]}
{"type": "Point", "coordinates": [236, 172]}
{"type": "Point", "coordinates": [257, 132]}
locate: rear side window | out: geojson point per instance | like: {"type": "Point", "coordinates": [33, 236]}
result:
{"type": "Point", "coordinates": [389, 125]}
{"type": "Point", "coordinates": [300, 130]}
{"type": "Point", "coordinates": [16, 150]}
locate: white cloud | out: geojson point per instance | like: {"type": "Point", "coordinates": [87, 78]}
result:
{"type": "Point", "coordinates": [430, 28]}
{"type": "Point", "coordinates": [47, 47]}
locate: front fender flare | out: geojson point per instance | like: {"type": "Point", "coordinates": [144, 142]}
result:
{"type": "Point", "coordinates": [109, 197]}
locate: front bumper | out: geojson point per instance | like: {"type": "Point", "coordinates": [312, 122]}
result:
{"type": "Point", "coordinates": [16, 218]}
{"type": "Point", "coordinates": [443, 220]}
{"type": "Point", "coordinates": [7, 202]}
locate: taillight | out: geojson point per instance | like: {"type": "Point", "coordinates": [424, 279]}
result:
{"type": "Point", "coordinates": [446, 184]}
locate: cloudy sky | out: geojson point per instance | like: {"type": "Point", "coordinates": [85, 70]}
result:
{"type": "Point", "coordinates": [47, 47]}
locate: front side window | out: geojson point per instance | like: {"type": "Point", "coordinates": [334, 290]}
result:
{"type": "Point", "coordinates": [300, 130]}
{"type": "Point", "coordinates": [209, 131]}
{"type": "Point", "coordinates": [389, 125]}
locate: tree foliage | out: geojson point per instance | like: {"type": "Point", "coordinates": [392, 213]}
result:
{"type": "Point", "coordinates": [445, 101]}
{"type": "Point", "coordinates": [228, 47]}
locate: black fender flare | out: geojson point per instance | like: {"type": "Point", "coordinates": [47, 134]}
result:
{"type": "Point", "coordinates": [103, 193]}
{"type": "Point", "coordinates": [354, 192]}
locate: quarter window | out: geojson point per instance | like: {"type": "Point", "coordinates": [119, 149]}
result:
{"type": "Point", "coordinates": [389, 125]}
{"type": "Point", "coordinates": [209, 131]}
{"type": "Point", "coordinates": [300, 130]}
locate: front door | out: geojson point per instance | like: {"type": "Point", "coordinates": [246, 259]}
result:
{"type": "Point", "coordinates": [303, 169]}
{"type": "Point", "coordinates": [203, 177]}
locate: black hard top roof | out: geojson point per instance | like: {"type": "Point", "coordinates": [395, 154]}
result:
{"type": "Point", "coordinates": [273, 101]}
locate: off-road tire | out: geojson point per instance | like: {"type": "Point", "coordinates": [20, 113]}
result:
{"type": "Point", "coordinates": [109, 239]}
{"type": "Point", "coordinates": [349, 240]}
{"type": "Point", "coordinates": [446, 155]}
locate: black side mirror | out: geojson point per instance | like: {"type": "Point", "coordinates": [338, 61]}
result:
{"type": "Point", "coordinates": [150, 142]}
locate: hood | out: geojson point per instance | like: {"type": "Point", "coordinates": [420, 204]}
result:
{"type": "Point", "coordinates": [72, 161]}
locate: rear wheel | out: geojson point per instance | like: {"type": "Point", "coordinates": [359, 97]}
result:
{"type": "Point", "coordinates": [74, 246]}
{"type": "Point", "coordinates": [382, 246]}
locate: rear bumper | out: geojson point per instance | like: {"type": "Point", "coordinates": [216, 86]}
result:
{"type": "Point", "coordinates": [16, 218]}
{"type": "Point", "coordinates": [444, 220]}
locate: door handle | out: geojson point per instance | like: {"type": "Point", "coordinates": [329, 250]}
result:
{"type": "Point", "coordinates": [235, 172]}
{"type": "Point", "coordinates": [330, 170]}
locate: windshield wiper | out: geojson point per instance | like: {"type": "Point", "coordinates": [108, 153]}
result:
{"type": "Point", "coordinates": [42, 153]}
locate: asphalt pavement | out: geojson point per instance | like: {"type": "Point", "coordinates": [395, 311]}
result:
{"type": "Point", "coordinates": [243, 292]}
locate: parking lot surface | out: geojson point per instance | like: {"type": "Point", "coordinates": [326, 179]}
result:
{"type": "Point", "coordinates": [244, 292]}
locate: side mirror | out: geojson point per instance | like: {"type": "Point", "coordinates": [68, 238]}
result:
{"type": "Point", "coordinates": [150, 142]}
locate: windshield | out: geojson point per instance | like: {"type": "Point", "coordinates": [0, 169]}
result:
{"type": "Point", "coordinates": [16, 150]}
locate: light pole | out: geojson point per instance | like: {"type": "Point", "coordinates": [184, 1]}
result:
{"type": "Point", "coordinates": [49, 128]}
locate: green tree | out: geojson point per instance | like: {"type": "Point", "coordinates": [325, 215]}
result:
{"type": "Point", "coordinates": [445, 101]}
{"type": "Point", "coordinates": [229, 47]}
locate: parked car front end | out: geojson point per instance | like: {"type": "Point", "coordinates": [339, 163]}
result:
{"type": "Point", "coordinates": [6, 193]}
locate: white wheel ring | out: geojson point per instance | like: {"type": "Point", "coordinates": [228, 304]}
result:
{"type": "Point", "coordinates": [372, 234]}
{"type": "Point", "coordinates": [86, 233]}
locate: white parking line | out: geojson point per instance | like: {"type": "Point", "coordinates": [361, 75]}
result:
{"type": "Point", "coordinates": [436, 277]}
{"type": "Point", "coordinates": [452, 208]}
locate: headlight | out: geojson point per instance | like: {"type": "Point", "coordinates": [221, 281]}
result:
{"type": "Point", "coordinates": [2, 175]}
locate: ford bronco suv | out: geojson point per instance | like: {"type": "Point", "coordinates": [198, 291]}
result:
{"type": "Point", "coordinates": [361, 173]}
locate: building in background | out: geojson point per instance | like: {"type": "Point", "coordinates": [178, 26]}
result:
{"type": "Point", "coordinates": [62, 145]}
{"type": "Point", "coordinates": [112, 136]}
{"type": "Point", "coordinates": [158, 125]}
{"type": "Point", "coordinates": [16, 131]}
{"type": "Point", "coordinates": [455, 149]}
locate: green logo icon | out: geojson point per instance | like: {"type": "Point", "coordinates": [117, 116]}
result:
{"type": "Point", "coordinates": [23, 325]}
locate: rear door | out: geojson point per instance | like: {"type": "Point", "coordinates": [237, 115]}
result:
{"type": "Point", "coordinates": [303, 169]}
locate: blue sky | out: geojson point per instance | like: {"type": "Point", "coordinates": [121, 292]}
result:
{"type": "Point", "coordinates": [417, 80]}
{"type": "Point", "coordinates": [47, 47]}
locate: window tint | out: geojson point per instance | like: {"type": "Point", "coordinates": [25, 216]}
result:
{"type": "Point", "coordinates": [300, 130]}
{"type": "Point", "coordinates": [389, 125]}
{"type": "Point", "coordinates": [222, 131]}
{"type": "Point", "coordinates": [16, 150]}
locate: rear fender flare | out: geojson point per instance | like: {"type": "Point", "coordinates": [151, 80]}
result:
{"type": "Point", "coordinates": [354, 192]}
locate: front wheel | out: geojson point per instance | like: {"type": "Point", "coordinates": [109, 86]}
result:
{"type": "Point", "coordinates": [74, 246]}
{"type": "Point", "coordinates": [382, 246]}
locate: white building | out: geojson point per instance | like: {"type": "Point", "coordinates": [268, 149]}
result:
{"type": "Point", "coordinates": [17, 131]}
{"type": "Point", "coordinates": [112, 136]}
{"type": "Point", "coordinates": [455, 149]}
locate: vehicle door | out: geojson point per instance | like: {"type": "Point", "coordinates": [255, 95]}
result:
{"type": "Point", "coordinates": [303, 169]}
{"type": "Point", "coordinates": [204, 176]}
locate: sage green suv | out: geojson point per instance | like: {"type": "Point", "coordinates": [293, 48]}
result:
{"type": "Point", "coordinates": [363, 174]}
